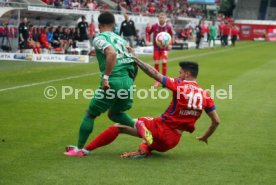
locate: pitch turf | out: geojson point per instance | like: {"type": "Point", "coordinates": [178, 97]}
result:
{"type": "Point", "coordinates": [34, 130]}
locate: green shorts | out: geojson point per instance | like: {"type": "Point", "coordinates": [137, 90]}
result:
{"type": "Point", "coordinates": [117, 99]}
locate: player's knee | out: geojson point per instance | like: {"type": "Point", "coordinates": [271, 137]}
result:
{"type": "Point", "coordinates": [92, 115]}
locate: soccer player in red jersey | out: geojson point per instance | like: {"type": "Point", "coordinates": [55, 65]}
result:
{"type": "Point", "coordinates": [147, 29]}
{"type": "Point", "coordinates": [225, 33]}
{"type": "Point", "coordinates": [163, 133]}
{"type": "Point", "coordinates": [234, 34]}
{"type": "Point", "coordinates": [221, 26]}
{"type": "Point", "coordinates": [159, 53]}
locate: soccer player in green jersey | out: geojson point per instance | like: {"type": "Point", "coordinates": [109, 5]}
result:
{"type": "Point", "coordinates": [213, 34]}
{"type": "Point", "coordinates": [117, 73]}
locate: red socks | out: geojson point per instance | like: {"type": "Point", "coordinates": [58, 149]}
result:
{"type": "Point", "coordinates": [156, 66]}
{"type": "Point", "coordinates": [164, 68]}
{"type": "Point", "coordinates": [38, 50]}
{"type": "Point", "coordinates": [34, 50]}
{"type": "Point", "coordinates": [105, 138]}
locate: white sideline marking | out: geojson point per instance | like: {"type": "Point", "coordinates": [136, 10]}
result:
{"type": "Point", "coordinates": [92, 74]}
{"type": "Point", "coordinates": [49, 81]}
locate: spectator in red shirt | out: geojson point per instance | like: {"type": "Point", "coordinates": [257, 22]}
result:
{"type": "Point", "coordinates": [151, 9]}
{"type": "Point", "coordinates": [225, 33]}
{"type": "Point", "coordinates": [147, 30]}
{"type": "Point", "coordinates": [44, 40]}
{"type": "Point", "coordinates": [221, 26]}
{"type": "Point", "coordinates": [234, 34]}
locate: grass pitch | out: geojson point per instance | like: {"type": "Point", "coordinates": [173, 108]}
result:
{"type": "Point", "coordinates": [34, 130]}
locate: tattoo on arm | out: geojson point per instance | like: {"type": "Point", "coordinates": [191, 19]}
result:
{"type": "Point", "coordinates": [149, 70]}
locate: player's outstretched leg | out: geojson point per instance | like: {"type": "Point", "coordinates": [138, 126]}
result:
{"type": "Point", "coordinates": [104, 138]}
{"type": "Point", "coordinates": [144, 132]}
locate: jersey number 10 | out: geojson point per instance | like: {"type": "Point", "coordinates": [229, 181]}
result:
{"type": "Point", "coordinates": [195, 101]}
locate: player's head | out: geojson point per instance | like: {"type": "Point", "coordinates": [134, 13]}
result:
{"type": "Point", "coordinates": [188, 70]}
{"type": "Point", "coordinates": [83, 18]}
{"type": "Point", "coordinates": [162, 18]}
{"type": "Point", "coordinates": [126, 16]}
{"type": "Point", "coordinates": [25, 19]}
{"type": "Point", "coordinates": [106, 21]}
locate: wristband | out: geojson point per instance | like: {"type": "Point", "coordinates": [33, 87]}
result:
{"type": "Point", "coordinates": [105, 77]}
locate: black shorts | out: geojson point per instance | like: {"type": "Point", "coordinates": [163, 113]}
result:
{"type": "Point", "coordinates": [55, 44]}
{"type": "Point", "coordinates": [234, 38]}
{"type": "Point", "coordinates": [83, 37]}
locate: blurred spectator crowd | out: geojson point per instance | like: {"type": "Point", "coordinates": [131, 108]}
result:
{"type": "Point", "coordinates": [77, 4]}
{"type": "Point", "coordinates": [141, 7]}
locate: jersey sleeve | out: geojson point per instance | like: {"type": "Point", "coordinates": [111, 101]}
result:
{"type": "Point", "coordinates": [100, 43]}
{"type": "Point", "coordinates": [210, 104]}
{"type": "Point", "coordinates": [170, 83]}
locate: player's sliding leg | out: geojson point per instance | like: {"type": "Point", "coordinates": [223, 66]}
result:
{"type": "Point", "coordinates": [144, 132]}
{"type": "Point", "coordinates": [109, 135]}
{"type": "Point", "coordinates": [104, 138]}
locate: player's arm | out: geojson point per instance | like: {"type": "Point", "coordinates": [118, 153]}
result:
{"type": "Point", "coordinates": [213, 126]}
{"type": "Point", "coordinates": [101, 44]}
{"type": "Point", "coordinates": [149, 70]}
{"type": "Point", "coordinates": [111, 55]}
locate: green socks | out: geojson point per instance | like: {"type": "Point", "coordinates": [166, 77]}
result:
{"type": "Point", "coordinates": [85, 130]}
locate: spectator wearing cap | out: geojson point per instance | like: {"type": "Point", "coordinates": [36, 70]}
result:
{"type": "Point", "coordinates": [128, 30]}
{"type": "Point", "coordinates": [82, 29]}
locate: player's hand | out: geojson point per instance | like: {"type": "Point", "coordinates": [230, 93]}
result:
{"type": "Point", "coordinates": [169, 47]}
{"type": "Point", "coordinates": [105, 85]}
{"type": "Point", "coordinates": [202, 139]}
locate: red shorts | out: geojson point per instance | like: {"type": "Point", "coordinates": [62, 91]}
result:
{"type": "Point", "coordinates": [164, 137]}
{"type": "Point", "coordinates": [160, 55]}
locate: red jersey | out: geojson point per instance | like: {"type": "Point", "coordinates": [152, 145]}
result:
{"type": "Point", "coordinates": [221, 26]}
{"type": "Point", "coordinates": [234, 31]}
{"type": "Point", "coordinates": [226, 30]}
{"type": "Point", "coordinates": [147, 33]}
{"type": "Point", "coordinates": [157, 28]}
{"type": "Point", "coordinates": [43, 37]}
{"type": "Point", "coordinates": [204, 28]}
{"type": "Point", "coordinates": [187, 104]}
